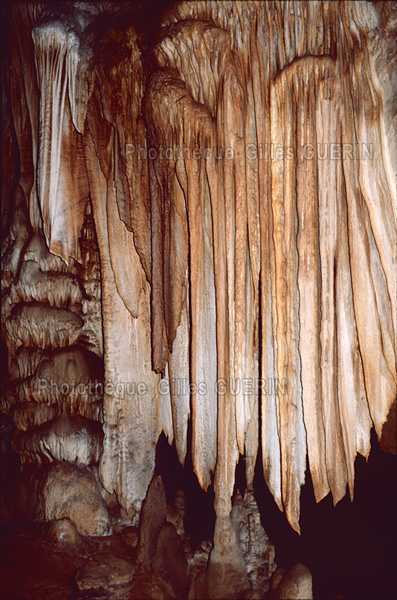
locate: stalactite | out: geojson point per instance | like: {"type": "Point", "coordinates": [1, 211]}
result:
{"type": "Point", "coordinates": [240, 174]}
{"type": "Point", "coordinates": [127, 461]}
{"type": "Point", "coordinates": [286, 211]}
{"type": "Point", "coordinates": [61, 178]}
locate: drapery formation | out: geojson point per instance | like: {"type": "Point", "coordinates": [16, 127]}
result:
{"type": "Point", "coordinates": [278, 207]}
{"type": "Point", "coordinates": [241, 178]}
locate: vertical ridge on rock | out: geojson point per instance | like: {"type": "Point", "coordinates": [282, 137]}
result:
{"type": "Point", "coordinates": [316, 233]}
{"type": "Point", "coordinates": [61, 177]}
{"type": "Point", "coordinates": [288, 361]}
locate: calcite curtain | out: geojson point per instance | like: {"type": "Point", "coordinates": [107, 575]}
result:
{"type": "Point", "coordinates": [241, 175]}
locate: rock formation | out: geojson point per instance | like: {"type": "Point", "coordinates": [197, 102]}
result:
{"type": "Point", "coordinates": [201, 227]}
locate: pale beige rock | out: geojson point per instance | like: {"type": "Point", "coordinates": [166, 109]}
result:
{"type": "Point", "coordinates": [61, 71]}
{"type": "Point", "coordinates": [226, 571]}
{"type": "Point", "coordinates": [66, 438]}
{"type": "Point", "coordinates": [256, 547]}
{"type": "Point", "coordinates": [29, 415]}
{"type": "Point", "coordinates": [131, 411]}
{"type": "Point", "coordinates": [39, 325]}
{"type": "Point", "coordinates": [70, 490]}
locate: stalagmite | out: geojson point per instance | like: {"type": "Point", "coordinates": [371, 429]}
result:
{"type": "Point", "coordinates": [203, 233]}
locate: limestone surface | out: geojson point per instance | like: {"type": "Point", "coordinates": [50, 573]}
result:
{"type": "Point", "coordinates": [70, 490]}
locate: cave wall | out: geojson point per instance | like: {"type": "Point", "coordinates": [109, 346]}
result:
{"type": "Point", "coordinates": [202, 226]}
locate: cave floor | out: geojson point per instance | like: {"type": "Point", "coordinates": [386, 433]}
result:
{"type": "Point", "coordinates": [36, 568]}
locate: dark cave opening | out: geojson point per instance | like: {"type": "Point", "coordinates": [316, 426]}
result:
{"type": "Point", "coordinates": [200, 512]}
{"type": "Point", "coordinates": [350, 548]}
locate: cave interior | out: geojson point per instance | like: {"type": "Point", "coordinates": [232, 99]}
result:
{"type": "Point", "coordinates": [198, 317]}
